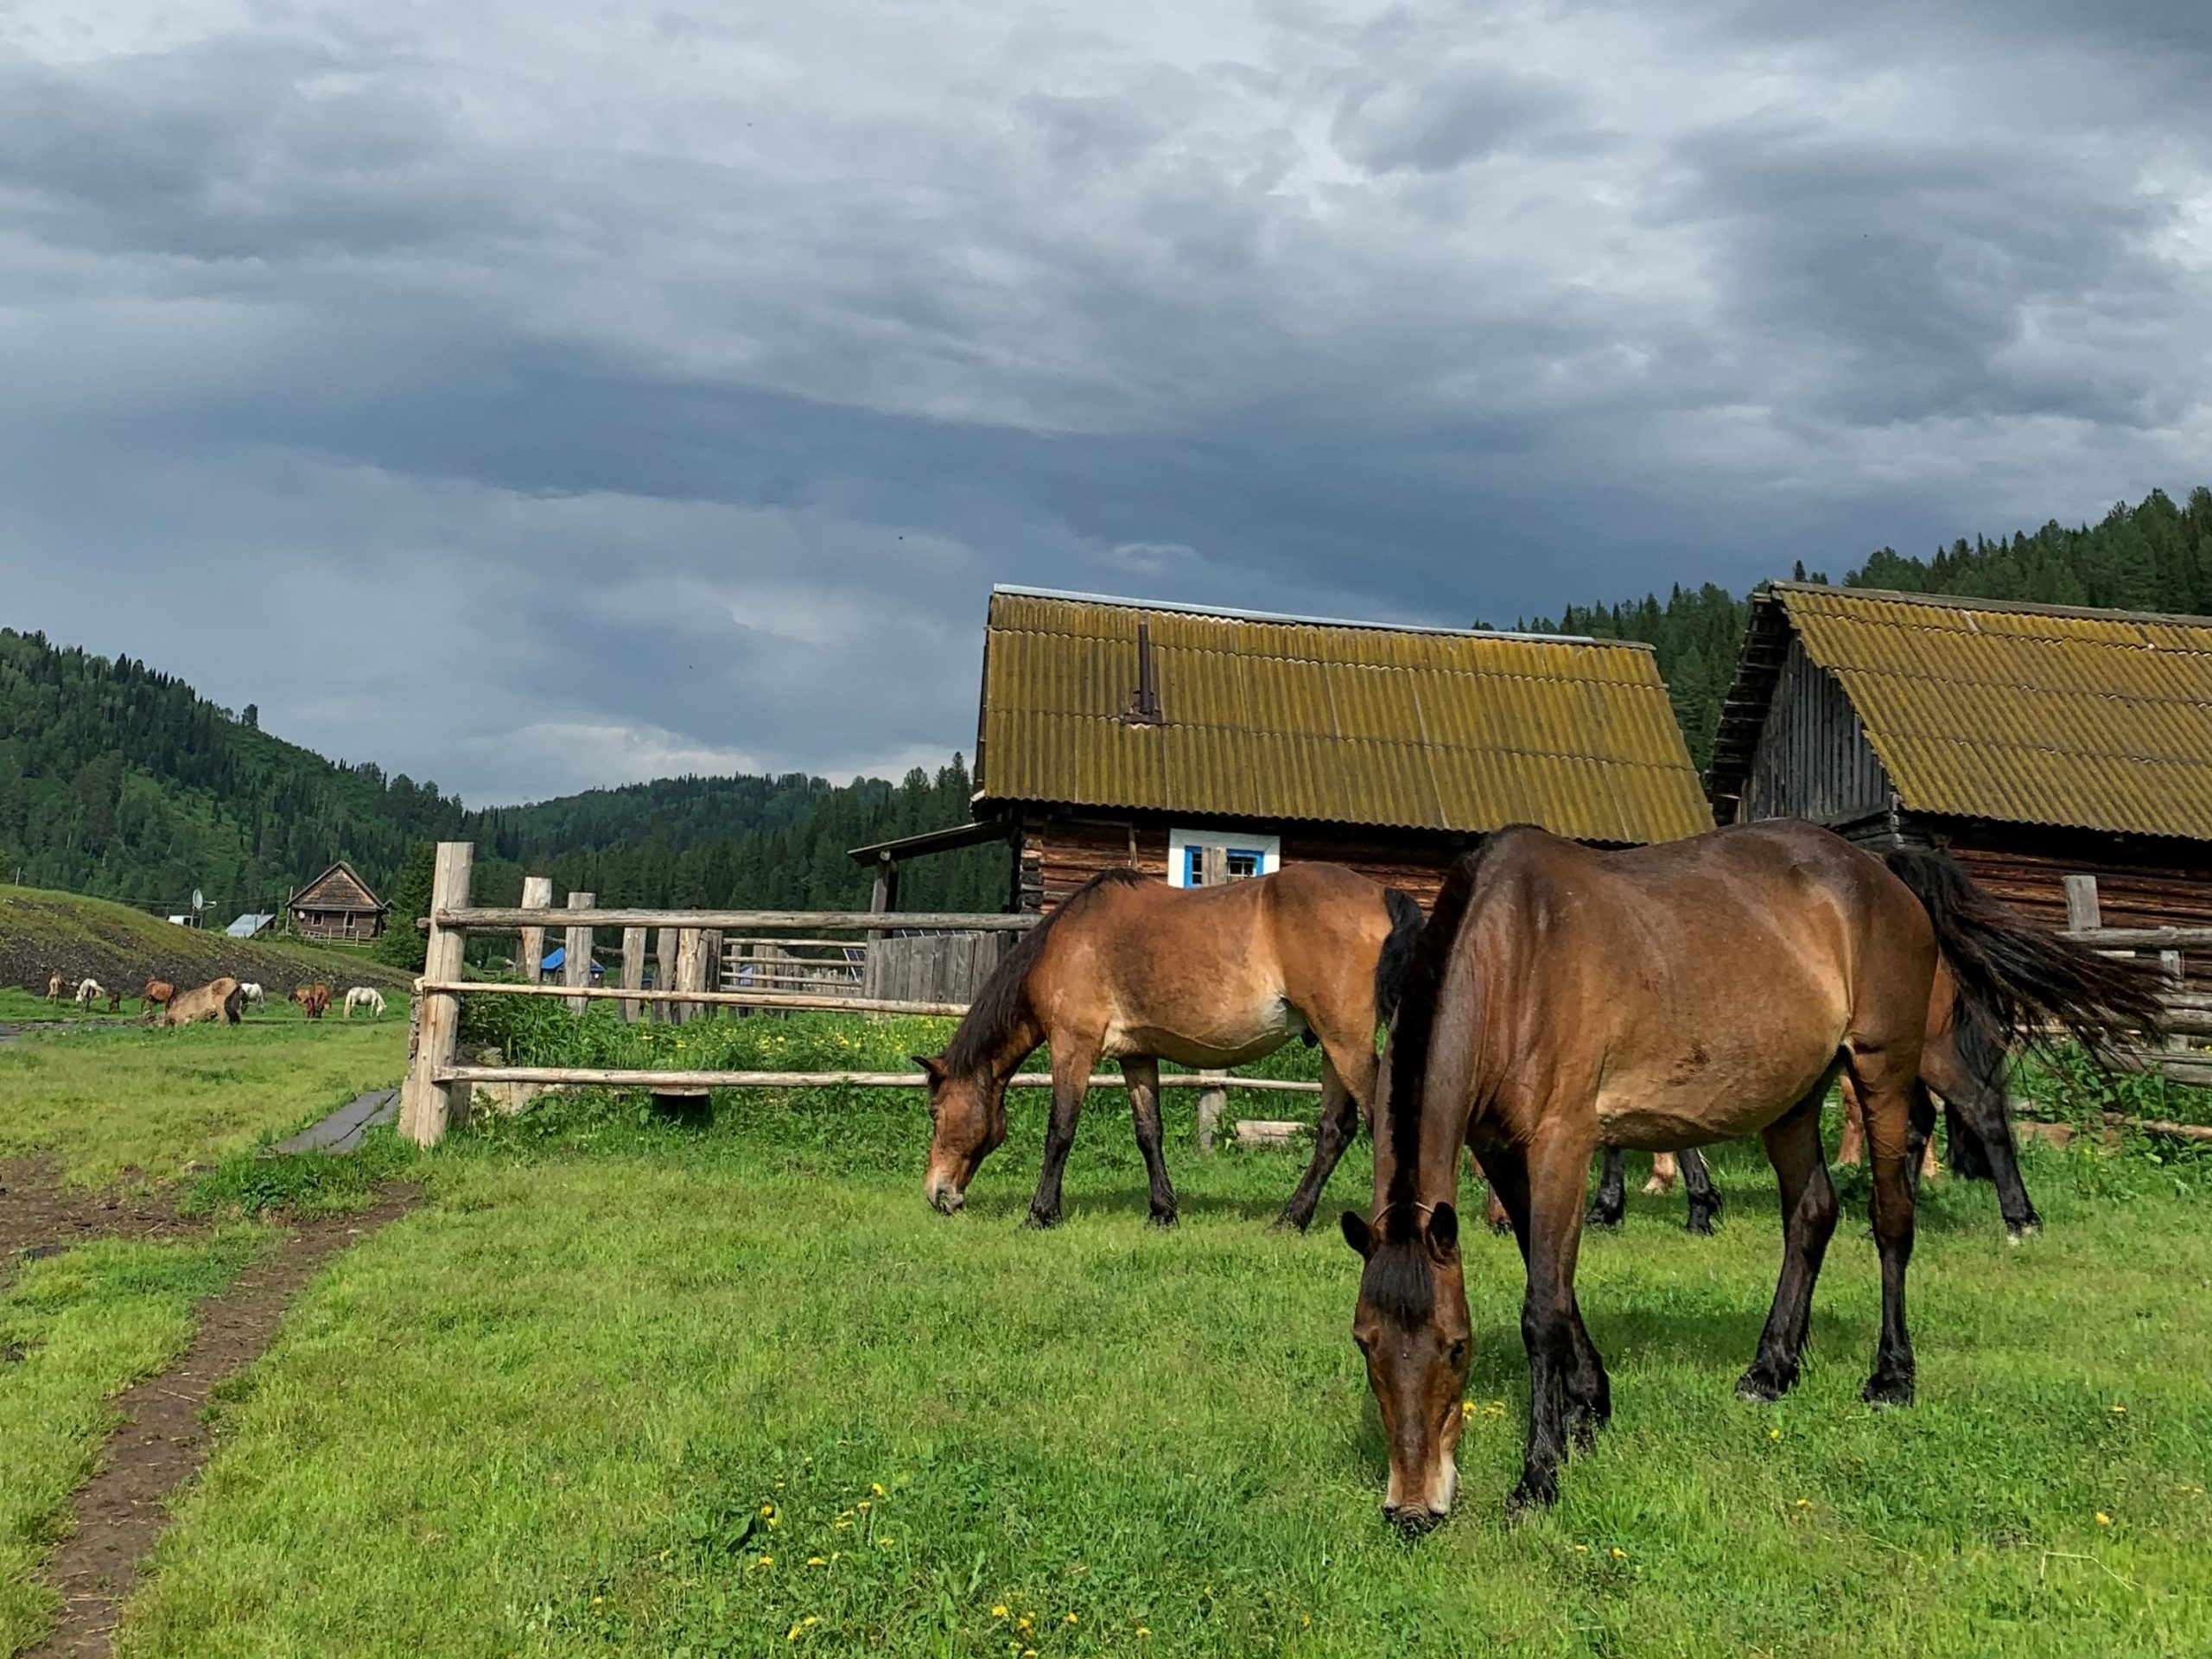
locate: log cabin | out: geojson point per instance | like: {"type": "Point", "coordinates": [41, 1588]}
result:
{"type": "Point", "coordinates": [337, 905]}
{"type": "Point", "coordinates": [1203, 745]}
{"type": "Point", "coordinates": [2037, 742]}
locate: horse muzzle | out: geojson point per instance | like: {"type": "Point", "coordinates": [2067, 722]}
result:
{"type": "Point", "coordinates": [946, 1196]}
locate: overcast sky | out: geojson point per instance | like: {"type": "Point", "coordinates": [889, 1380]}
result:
{"type": "Point", "coordinates": [528, 397]}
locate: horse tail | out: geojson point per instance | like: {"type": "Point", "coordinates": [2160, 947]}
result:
{"type": "Point", "coordinates": [2015, 980]}
{"type": "Point", "coordinates": [1397, 952]}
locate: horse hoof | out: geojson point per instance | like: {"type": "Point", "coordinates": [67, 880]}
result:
{"type": "Point", "coordinates": [1602, 1218]}
{"type": "Point", "coordinates": [1039, 1220]}
{"type": "Point", "coordinates": [1288, 1222]}
{"type": "Point", "coordinates": [1760, 1388]}
{"type": "Point", "coordinates": [1881, 1391]}
{"type": "Point", "coordinates": [1163, 1218]}
{"type": "Point", "coordinates": [1701, 1225]}
{"type": "Point", "coordinates": [1535, 1492]}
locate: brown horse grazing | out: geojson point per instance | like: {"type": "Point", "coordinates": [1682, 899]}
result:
{"type": "Point", "coordinates": [156, 995]}
{"type": "Point", "coordinates": [1133, 969]}
{"type": "Point", "coordinates": [1561, 999]}
{"type": "Point", "coordinates": [314, 1000]}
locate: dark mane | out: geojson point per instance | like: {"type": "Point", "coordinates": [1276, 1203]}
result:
{"type": "Point", "coordinates": [1400, 1282]}
{"type": "Point", "coordinates": [1409, 1039]}
{"type": "Point", "coordinates": [999, 1007]}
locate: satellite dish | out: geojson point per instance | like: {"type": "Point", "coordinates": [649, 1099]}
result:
{"type": "Point", "coordinates": [198, 904]}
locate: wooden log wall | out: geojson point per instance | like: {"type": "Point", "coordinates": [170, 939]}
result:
{"type": "Point", "coordinates": [1059, 854]}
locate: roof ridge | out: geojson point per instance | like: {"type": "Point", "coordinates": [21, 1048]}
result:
{"type": "Point", "coordinates": [2016, 606]}
{"type": "Point", "coordinates": [1233, 613]}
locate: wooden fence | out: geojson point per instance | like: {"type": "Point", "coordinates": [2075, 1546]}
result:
{"type": "Point", "coordinates": [769, 960]}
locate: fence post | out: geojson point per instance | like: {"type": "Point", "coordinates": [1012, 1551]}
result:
{"type": "Point", "coordinates": [1211, 1099]}
{"type": "Point", "coordinates": [575, 968]}
{"type": "Point", "coordinates": [633, 969]}
{"type": "Point", "coordinates": [690, 946]}
{"type": "Point", "coordinates": [710, 968]}
{"type": "Point", "coordinates": [664, 971]}
{"type": "Point", "coordinates": [2082, 908]}
{"type": "Point", "coordinates": [536, 894]}
{"type": "Point", "coordinates": [427, 1108]}
{"type": "Point", "coordinates": [2169, 967]}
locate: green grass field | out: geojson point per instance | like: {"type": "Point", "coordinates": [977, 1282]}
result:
{"type": "Point", "coordinates": [727, 1387]}
{"type": "Point", "coordinates": [124, 1103]}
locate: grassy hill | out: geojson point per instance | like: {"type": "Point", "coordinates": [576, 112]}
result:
{"type": "Point", "coordinates": [42, 932]}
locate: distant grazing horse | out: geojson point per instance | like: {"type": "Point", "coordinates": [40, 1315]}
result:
{"type": "Point", "coordinates": [115, 1001]}
{"type": "Point", "coordinates": [156, 994]}
{"type": "Point", "coordinates": [1133, 969]}
{"type": "Point", "coordinates": [314, 1000]}
{"type": "Point", "coordinates": [55, 986]}
{"type": "Point", "coordinates": [250, 995]}
{"type": "Point", "coordinates": [1611, 1203]}
{"type": "Point", "coordinates": [217, 1000]}
{"type": "Point", "coordinates": [88, 993]}
{"type": "Point", "coordinates": [1665, 997]}
{"type": "Point", "coordinates": [361, 996]}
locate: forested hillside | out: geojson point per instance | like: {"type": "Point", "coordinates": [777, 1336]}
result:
{"type": "Point", "coordinates": [123, 782]}
{"type": "Point", "coordinates": [2152, 556]}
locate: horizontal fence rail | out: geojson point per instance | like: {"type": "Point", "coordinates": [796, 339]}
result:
{"type": "Point", "coordinates": [506, 917]}
{"type": "Point", "coordinates": [797, 999]}
{"type": "Point", "coordinates": [615, 1077]}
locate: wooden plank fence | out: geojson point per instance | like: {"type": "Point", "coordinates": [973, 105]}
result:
{"type": "Point", "coordinates": [749, 961]}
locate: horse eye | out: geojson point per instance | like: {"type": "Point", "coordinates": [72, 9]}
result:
{"type": "Point", "coordinates": [1459, 1351]}
{"type": "Point", "coordinates": [1362, 1343]}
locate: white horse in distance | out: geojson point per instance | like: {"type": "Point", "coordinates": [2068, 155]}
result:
{"type": "Point", "coordinates": [362, 997]}
{"type": "Point", "coordinates": [88, 992]}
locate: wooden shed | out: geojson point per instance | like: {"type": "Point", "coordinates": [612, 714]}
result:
{"type": "Point", "coordinates": [2035, 741]}
{"type": "Point", "coordinates": [1205, 745]}
{"type": "Point", "coordinates": [337, 905]}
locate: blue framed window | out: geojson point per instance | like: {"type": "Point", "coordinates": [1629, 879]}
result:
{"type": "Point", "coordinates": [1244, 863]}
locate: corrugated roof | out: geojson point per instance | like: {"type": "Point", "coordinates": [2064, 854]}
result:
{"type": "Point", "coordinates": [2098, 720]}
{"type": "Point", "coordinates": [1288, 719]}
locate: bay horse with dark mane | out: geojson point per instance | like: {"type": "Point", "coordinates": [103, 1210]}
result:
{"type": "Point", "coordinates": [1132, 969]}
{"type": "Point", "coordinates": [1561, 999]}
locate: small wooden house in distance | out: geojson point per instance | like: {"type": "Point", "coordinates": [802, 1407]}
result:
{"type": "Point", "coordinates": [1204, 746]}
{"type": "Point", "coordinates": [337, 905]}
{"type": "Point", "coordinates": [2035, 741]}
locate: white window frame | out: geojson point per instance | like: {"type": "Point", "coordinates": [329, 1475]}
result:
{"type": "Point", "coordinates": [1179, 843]}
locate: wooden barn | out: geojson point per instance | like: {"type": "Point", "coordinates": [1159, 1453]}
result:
{"type": "Point", "coordinates": [2035, 741]}
{"type": "Point", "coordinates": [337, 905]}
{"type": "Point", "coordinates": [1206, 746]}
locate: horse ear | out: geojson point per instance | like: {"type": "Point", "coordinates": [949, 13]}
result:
{"type": "Point", "coordinates": [1443, 1231]}
{"type": "Point", "coordinates": [930, 1063]}
{"type": "Point", "coordinates": [1355, 1232]}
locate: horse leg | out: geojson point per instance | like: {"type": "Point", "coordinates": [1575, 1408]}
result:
{"type": "Point", "coordinates": [1850, 1150]}
{"type": "Point", "coordinates": [1340, 1114]}
{"type": "Point", "coordinates": [1886, 1083]}
{"type": "Point", "coordinates": [1611, 1202]}
{"type": "Point", "coordinates": [1704, 1197]}
{"type": "Point", "coordinates": [1808, 1212]}
{"type": "Point", "coordinates": [1143, 1077]}
{"type": "Point", "coordinates": [1977, 1094]}
{"type": "Point", "coordinates": [1072, 1062]}
{"type": "Point", "coordinates": [1568, 1392]}
{"type": "Point", "coordinates": [1665, 1171]}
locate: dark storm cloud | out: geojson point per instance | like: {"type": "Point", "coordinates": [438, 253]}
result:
{"type": "Point", "coordinates": [667, 393]}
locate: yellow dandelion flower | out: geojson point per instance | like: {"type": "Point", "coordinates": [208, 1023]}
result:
{"type": "Point", "coordinates": [767, 1509]}
{"type": "Point", "coordinates": [1582, 1549]}
{"type": "Point", "coordinates": [1467, 1408]}
{"type": "Point", "coordinates": [1619, 1553]}
{"type": "Point", "coordinates": [1142, 1632]}
{"type": "Point", "coordinates": [792, 1635]}
{"type": "Point", "coordinates": [999, 1612]}
{"type": "Point", "coordinates": [862, 1504]}
{"type": "Point", "coordinates": [876, 1487]}
{"type": "Point", "coordinates": [1027, 1621]}
{"type": "Point", "coordinates": [2103, 1520]}
{"type": "Point", "coordinates": [1071, 1618]}
{"type": "Point", "coordinates": [811, 1621]}
{"type": "Point", "coordinates": [1804, 1503]}
{"type": "Point", "coordinates": [765, 1561]}
{"type": "Point", "coordinates": [2118, 1410]}
{"type": "Point", "coordinates": [816, 1561]}
{"type": "Point", "coordinates": [1774, 1434]}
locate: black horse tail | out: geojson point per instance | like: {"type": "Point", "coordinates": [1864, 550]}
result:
{"type": "Point", "coordinates": [2015, 982]}
{"type": "Point", "coordinates": [1397, 952]}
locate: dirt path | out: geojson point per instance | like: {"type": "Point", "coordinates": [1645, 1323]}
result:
{"type": "Point", "coordinates": [40, 1216]}
{"type": "Point", "coordinates": [118, 1514]}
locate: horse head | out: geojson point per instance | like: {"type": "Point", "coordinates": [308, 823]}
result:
{"type": "Point", "coordinates": [966, 1121]}
{"type": "Point", "coordinates": [1412, 1328]}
